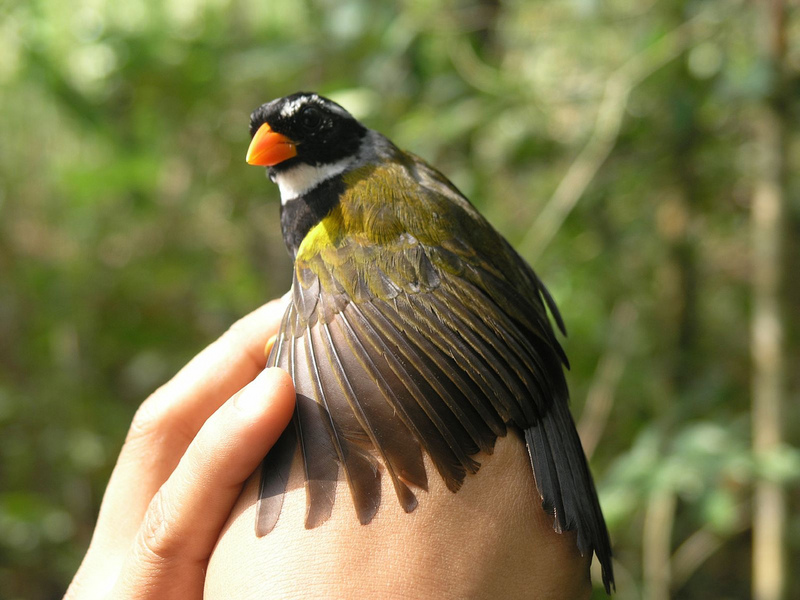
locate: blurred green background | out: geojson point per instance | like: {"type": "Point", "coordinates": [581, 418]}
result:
{"type": "Point", "coordinates": [635, 151]}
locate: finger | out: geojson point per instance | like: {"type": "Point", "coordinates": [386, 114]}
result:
{"type": "Point", "coordinates": [214, 375]}
{"type": "Point", "coordinates": [185, 517]}
{"type": "Point", "coordinates": [168, 421]}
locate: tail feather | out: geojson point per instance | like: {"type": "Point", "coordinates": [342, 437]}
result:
{"type": "Point", "coordinates": [565, 484]}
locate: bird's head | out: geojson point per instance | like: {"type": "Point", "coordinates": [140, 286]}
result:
{"type": "Point", "coordinates": [303, 139]}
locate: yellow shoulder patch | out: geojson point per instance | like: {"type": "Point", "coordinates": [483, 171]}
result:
{"type": "Point", "coordinates": [325, 234]}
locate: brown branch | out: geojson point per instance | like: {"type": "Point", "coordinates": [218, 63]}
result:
{"type": "Point", "coordinates": [699, 547]}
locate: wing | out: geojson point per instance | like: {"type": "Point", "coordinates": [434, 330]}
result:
{"type": "Point", "coordinates": [418, 339]}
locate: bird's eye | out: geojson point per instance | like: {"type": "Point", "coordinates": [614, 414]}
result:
{"type": "Point", "coordinates": [310, 118]}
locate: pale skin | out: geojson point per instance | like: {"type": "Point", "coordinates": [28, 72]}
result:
{"type": "Point", "coordinates": [176, 523]}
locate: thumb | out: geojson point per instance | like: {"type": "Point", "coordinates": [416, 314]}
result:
{"type": "Point", "coordinates": [185, 517]}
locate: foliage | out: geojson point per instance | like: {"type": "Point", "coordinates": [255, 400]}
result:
{"type": "Point", "coordinates": [610, 142]}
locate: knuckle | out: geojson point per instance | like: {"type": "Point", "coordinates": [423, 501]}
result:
{"type": "Point", "coordinates": [154, 534]}
{"type": "Point", "coordinates": [152, 417]}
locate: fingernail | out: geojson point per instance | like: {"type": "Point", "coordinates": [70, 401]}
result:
{"type": "Point", "coordinates": [252, 397]}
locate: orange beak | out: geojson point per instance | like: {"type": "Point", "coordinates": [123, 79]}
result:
{"type": "Point", "coordinates": [269, 148]}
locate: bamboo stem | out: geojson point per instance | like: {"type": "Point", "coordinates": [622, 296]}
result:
{"type": "Point", "coordinates": [657, 544]}
{"type": "Point", "coordinates": [769, 505]}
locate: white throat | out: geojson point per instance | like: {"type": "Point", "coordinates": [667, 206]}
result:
{"type": "Point", "coordinates": [298, 180]}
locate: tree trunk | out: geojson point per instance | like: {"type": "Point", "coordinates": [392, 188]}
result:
{"type": "Point", "coordinates": [769, 505]}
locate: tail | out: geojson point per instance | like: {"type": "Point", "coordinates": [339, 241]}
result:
{"type": "Point", "coordinates": [566, 486]}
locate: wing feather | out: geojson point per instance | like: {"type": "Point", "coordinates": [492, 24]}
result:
{"type": "Point", "coordinates": [405, 340]}
{"type": "Point", "coordinates": [533, 360]}
{"type": "Point", "coordinates": [317, 437]}
{"type": "Point", "coordinates": [473, 363]}
{"type": "Point", "coordinates": [412, 405]}
{"type": "Point", "coordinates": [397, 437]}
{"type": "Point", "coordinates": [460, 386]}
{"type": "Point", "coordinates": [480, 339]}
{"type": "Point", "coordinates": [490, 342]}
{"type": "Point", "coordinates": [530, 316]}
{"type": "Point", "coordinates": [361, 473]}
{"type": "Point", "coordinates": [347, 377]}
{"type": "Point", "coordinates": [455, 416]}
{"type": "Point", "coordinates": [275, 471]}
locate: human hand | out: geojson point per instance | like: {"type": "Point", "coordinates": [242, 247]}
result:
{"type": "Point", "coordinates": [191, 446]}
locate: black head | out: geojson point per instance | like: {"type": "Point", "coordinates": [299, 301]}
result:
{"type": "Point", "coordinates": [322, 131]}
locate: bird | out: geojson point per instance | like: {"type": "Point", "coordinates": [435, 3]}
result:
{"type": "Point", "coordinates": [413, 327]}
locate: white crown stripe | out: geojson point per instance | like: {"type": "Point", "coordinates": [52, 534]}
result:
{"type": "Point", "coordinates": [292, 108]}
